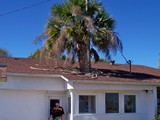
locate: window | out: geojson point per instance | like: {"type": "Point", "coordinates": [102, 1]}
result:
{"type": "Point", "coordinates": [129, 103]}
{"type": "Point", "coordinates": [112, 102]}
{"type": "Point", "coordinates": [69, 104]}
{"type": "Point", "coordinates": [87, 104]}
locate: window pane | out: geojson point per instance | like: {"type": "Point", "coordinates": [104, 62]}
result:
{"type": "Point", "coordinates": [130, 103]}
{"type": "Point", "coordinates": [87, 104]}
{"type": "Point", "coordinates": [112, 102]}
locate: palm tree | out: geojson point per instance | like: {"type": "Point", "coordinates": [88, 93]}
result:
{"type": "Point", "coordinates": [80, 33]}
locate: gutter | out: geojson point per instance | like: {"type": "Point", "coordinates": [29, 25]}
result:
{"type": "Point", "coordinates": [35, 75]}
{"type": "Point", "coordinates": [38, 75]}
{"type": "Point", "coordinates": [115, 83]}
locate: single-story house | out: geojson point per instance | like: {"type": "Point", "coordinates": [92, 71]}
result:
{"type": "Point", "coordinates": [29, 88]}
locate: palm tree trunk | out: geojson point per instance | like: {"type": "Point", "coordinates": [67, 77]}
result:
{"type": "Point", "coordinates": [83, 58]}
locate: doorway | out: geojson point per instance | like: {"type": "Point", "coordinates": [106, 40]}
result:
{"type": "Point", "coordinates": [52, 104]}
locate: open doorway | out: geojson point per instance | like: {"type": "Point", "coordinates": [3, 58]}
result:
{"type": "Point", "coordinates": [52, 104]}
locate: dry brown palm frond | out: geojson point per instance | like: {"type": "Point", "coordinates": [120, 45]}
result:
{"type": "Point", "coordinates": [115, 43]}
{"type": "Point", "coordinates": [54, 46]}
{"type": "Point", "coordinates": [76, 11]}
{"type": "Point", "coordinates": [58, 46]}
{"type": "Point", "coordinates": [110, 38]}
{"type": "Point", "coordinates": [89, 22]}
{"type": "Point", "coordinates": [40, 37]}
{"type": "Point", "coordinates": [44, 53]}
{"type": "Point", "coordinates": [119, 43]}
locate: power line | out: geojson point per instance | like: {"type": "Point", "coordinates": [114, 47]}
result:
{"type": "Point", "coordinates": [24, 8]}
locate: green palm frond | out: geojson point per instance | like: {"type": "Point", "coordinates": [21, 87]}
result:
{"type": "Point", "coordinates": [94, 53]}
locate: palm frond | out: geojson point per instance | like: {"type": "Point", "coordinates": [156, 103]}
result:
{"type": "Point", "coordinates": [89, 22]}
{"type": "Point", "coordinates": [94, 53]}
{"type": "Point", "coordinates": [76, 11]}
{"type": "Point", "coordinates": [106, 41]}
{"type": "Point", "coordinates": [41, 37]}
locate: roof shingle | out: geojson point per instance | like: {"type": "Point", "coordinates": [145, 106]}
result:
{"type": "Point", "coordinates": [103, 71]}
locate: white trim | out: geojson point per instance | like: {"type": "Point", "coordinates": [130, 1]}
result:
{"type": "Point", "coordinates": [38, 75]}
{"type": "Point", "coordinates": [30, 74]}
{"type": "Point", "coordinates": [155, 100]}
{"type": "Point", "coordinates": [116, 83]}
{"type": "Point", "coordinates": [85, 81]}
{"type": "Point", "coordinates": [72, 106]}
{"type": "Point", "coordinates": [64, 78]}
{"type": "Point", "coordinates": [123, 103]}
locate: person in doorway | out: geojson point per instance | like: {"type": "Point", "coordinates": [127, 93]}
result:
{"type": "Point", "coordinates": [58, 112]}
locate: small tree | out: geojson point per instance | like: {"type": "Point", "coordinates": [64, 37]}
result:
{"type": "Point", "coordinates": [4, 53]}
{"type": "Point", "coordinates": [158, 117]}
{"type": "Point", "coordinates": [36, 54]}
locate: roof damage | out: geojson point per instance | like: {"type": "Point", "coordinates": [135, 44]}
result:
{"type": "Point", "coordinates": [100, 71]}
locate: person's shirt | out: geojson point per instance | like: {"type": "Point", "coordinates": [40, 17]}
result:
{"type": "Point", "coordinates": [58, 111]}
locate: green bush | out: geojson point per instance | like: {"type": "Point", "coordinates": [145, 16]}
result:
{"type": "Point", "coordinates": [158, 117]}
{"type": "Point", "coordinates": [158, 112]}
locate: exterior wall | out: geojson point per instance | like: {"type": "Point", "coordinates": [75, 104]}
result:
{"type": "Point", "coordinates": [28, 97]}
{"type": "Point", "coordinates": [152, 104]}
{"type": "Point", "coordinates": [22, 105]}
{"type": "Point", "coordinates": [111, 117]}
{"type": "Point", "coordinates": [35, 83]}
{"type": "Point", "coordinates": [28, 105]}
{"type": "Point", "coordinates": [145, 101]}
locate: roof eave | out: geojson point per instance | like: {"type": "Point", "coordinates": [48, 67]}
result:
{"type": "Point", "coordinates": [117, 82]}
{"type": "Point", "coordinates": [85, 81]}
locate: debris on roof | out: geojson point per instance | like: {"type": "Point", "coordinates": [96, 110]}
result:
{"type": "Point", "coordinates": [100, 71]}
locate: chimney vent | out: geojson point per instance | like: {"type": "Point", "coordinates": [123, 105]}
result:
{"type": "Point", "coordinates": [16, 58]}
{"type": "Point", "coordinates": [112, 62]}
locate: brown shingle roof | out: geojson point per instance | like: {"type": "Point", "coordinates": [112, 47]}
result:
{"type": "Point", "coordinates": [2, 72]}
{"type": "Point", "coordinates": [105, 71]}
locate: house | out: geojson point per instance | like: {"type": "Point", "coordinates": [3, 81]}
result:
{"type": "Point", "coordinates": [30, 87]}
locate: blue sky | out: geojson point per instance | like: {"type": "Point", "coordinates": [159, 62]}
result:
{"type": "Point", "coordinates": [137, 23]}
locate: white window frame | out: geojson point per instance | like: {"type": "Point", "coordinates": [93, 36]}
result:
{"type": "Point", "coordinates": [88, 94]}
{"type": "Point", "coordinates": [119, 100]}
{"type": "Point", "coordinates": [123, 102]}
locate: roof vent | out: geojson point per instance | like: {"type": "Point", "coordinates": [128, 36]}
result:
{"type": "Point", "coordinates": [16, 58]}
{"type": "Point", "coordinates": [3, 64]}
{"type": "Point", "coordinates": [112, 62]}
